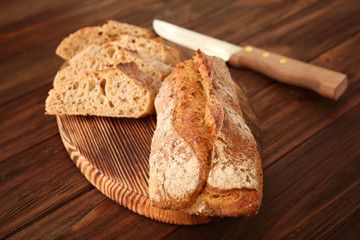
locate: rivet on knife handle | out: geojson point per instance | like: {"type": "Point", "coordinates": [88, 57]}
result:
{"type": "Point", "coordinates": [325, 82]}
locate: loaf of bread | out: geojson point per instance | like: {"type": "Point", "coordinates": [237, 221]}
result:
{"type": "Point", "coordinates": [121, 91]}
{"type": "Point", "coordinates": [203, 157]}
{"type": "Point", "coordinates": [84, 37]}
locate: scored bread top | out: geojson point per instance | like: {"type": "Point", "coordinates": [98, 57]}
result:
{"type": "Point", "coordinates": [201, 132]}
{"type": "Point", "coordinates": [234, 183]}
{"type": "Point", "coordinates": [84, 37]}
{"type": "Point", "coordinates": [178, 169]}
{"type": "Point", "coordinates": [238, 164]}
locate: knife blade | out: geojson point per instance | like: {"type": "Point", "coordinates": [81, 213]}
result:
{"type": "Point", "coordinates": [210, 46]}
{"type": "Point", "coordinates": [325, 82]}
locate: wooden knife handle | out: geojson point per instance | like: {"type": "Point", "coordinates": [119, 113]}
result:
{"type": "Point", "coordinates": [325, 82]}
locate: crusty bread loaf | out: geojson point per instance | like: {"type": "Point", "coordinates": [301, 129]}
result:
{"type": "Point", "coordinates": [143, 47]}
{"type": "Point", "coordinates": [84, 37]}
{"type": "Point", "coordinates": [179, 151]}
{"type": "Point", "coordinates": [125, 91]}
{"type": "Point", "coordinates": [111, 51]}
{"type": "Point", "coordinates": [203, 157]}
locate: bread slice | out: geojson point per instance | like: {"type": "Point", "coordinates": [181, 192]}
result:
{"type": "Point", "coordinates": [84, 37]}
{"type": "Point", "coordinates": [125, 91]}
{"type": "Point", "coordinates": [101, 62]}
{"type": "Point", "coordinates": [115, 55]}
{"type": "Point", "coordinates": [203, 157]}
{"type": "Point", "coordinates": [143, 47]}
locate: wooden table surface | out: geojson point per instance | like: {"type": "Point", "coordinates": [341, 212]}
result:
{"type": "Point", "coordinates": [311, 156]}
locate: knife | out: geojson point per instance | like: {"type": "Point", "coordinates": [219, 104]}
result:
{"type": "Point", "coordinates": [325, 82]}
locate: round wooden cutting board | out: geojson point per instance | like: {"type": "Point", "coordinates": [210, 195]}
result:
{"type": "Point", "coordinates": [113, 153]}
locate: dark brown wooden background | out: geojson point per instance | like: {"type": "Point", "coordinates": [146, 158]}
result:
{"type": "Point", "coordinates": [311, 155]}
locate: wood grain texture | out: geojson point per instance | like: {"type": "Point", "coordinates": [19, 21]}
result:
{"type": "Point", "coordinates": [310, 144]}
{"type": "Point", "coordinates": [113, 154]}
{"type": "Point", "coordinates": [116, 162]}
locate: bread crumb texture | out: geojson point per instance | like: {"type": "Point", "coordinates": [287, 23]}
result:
{"type": "Point", "coordinates": [109, 92]}
{"type": "Point", "coordinates": [84, 37]}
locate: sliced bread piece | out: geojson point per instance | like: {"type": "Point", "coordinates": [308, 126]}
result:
{"type": "Point", "coordinates": [93, 64]}
{"type": "Point", "coordinates": [122, 92]}
{"type": "Point", "coordinates": [114, 56]}
{"type": "Point", "coordinates": [143, 47]}
{"type": "Point", "coordinates": [84, 37]}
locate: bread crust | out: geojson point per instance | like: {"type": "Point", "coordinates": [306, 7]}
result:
{"type": "Point", "coordinates": [233, 172]}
